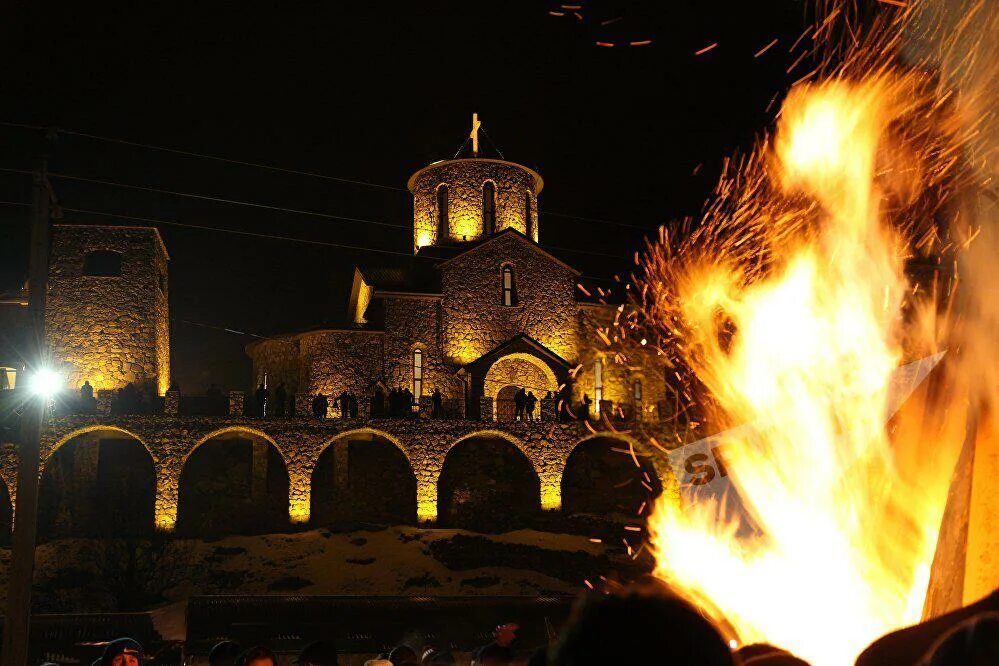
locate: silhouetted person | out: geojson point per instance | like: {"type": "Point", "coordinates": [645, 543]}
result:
{"type": "Point", "coordinates": [280, 399]}
{"type": "Point", "coordinates": [319, 406]}
{"type": "Point", "coordinates": [318, 653]}
{"type": "Point", "coordinates": [438, 404]}
{"type": "Point", "coordinates": [86, 391]}
{"type": "Point", "coordinates": [378, 402]}
{"type": "Point", "coordinates": [639, 625]}
{"type": "Point", "coordinates": [260, 395]}
{"type": "Point", "coordinates": [353, 406]}
{"type": "Point", "coordinates": [343, 405]}
{"type": "Point", "coordinates": [224, 653]}
{"type": "Point", "coordinates": [407, 403]}
{"type": "Point", "coordinates": [584, 408]}
{"type": "Point", "coordinates": [532, 402]}
{"type": "Point", "coordinates": [123, 652]}
{"type": "Point", "coordinates": [519, 403]}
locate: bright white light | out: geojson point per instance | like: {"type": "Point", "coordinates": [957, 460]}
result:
{"type": "Point", "coordinates": [45, 382]}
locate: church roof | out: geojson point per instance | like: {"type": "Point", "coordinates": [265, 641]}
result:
{"type": "Point", "coordinates": [416, 275]}
{"type": "Point", "coordinates": [464, 248]}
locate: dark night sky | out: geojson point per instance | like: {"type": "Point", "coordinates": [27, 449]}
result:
{"type": "Point", "coordinates": [370, 91]}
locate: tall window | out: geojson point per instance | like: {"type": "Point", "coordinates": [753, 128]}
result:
{"type": "Point", "coordinates": [102, 263]}
{"type": "Point", "coordinates": [637, 390]}
{"type": "Point", "coordinates": [488, 207]}
{"type": "Point", "coordinates": [528, 215]}
{"type": "Point", "coordinates": [598, 382]}
{"type": "Point", "coordinates": [8, 378]}
{"type": "Point", "coordinates": [417, 374]}
{"type": "Point", "coordinates": [443, 227]}
{"type": "Point", "coordinates": [509, 290]}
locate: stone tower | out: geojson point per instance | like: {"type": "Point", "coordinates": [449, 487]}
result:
{"type": "Point", "coordinates": [468, 198]}
{"type": "Point", "coordinates": [107, 314]}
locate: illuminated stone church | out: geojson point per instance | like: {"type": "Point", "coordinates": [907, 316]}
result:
{"type": "Point", "coordinates": [480, 310]}
{"type": "Point", "coordinates": [477, 313]}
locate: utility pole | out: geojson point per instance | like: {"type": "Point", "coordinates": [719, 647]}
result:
{"type": "Point", "coordinates": [17, 622]}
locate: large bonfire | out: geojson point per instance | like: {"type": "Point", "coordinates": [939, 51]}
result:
{"type": "Point", "coordinates": [790, 304]}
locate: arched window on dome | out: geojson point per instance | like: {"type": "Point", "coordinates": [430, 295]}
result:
{"type": "Point", "coordinates": [488, 207]}
{"type": "Point", "coordinates": [528, 215]}
{"type": "Point", "coordinates": [637, 390]}
{"type": "Point", "coordinates": [443, 226]}
{"type": "Point", "coordinates": [598, 383]}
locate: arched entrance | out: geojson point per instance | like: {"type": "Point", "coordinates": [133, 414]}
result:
{"type": "Point", "coordinates": [363, 477]}
{"type": "Point", "coordinates": [97, 483]}
{"type": "Point", "coordinates": [510, 373]}
{"type": "Point", "coordinates": [234, 482]}
{"type": "Point", "coordinates": [487, 484]}
{"type": "Point", "coordinates": [601, 478]}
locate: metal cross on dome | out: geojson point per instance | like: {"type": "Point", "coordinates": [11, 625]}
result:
{"type": "Point", "coordinates": [474, 134]}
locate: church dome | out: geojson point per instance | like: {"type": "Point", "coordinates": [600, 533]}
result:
{"type": "Point", "coordinates": [469, 198]}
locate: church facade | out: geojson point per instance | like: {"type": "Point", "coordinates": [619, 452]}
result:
{"type": "Point", "coordinates": [480, 311]}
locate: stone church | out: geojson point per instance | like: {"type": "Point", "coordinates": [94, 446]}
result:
{"type": "Point", "coordinates": [480, 310]}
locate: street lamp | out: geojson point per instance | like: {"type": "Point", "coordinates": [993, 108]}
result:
{"type": "Point", "coordinates": [45, 382]}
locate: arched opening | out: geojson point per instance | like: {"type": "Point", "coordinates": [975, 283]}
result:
{"type": "Point", "coordinates": [102, 263]}
{"type": "Point", "coordinates": [443, 224]}
{"type": "Point", "coordinates": [512, 372]}
{"type": "Point", "coordinates": [509, 287]}
{"type": "Point", "coordinates": [601, 478]}
{"type": "Point", "coordinates": [233, 483]}
{"type": "Point", "coordinates": [487, 484]}
{"type": "Point", "coordinates": [363, 478]}
{"type": "Point", "coordinates": [98, 483]}
{"type": "Point", "coordinates": [488, 207]}
{"type": "Point", "coordinates": [6, 515]}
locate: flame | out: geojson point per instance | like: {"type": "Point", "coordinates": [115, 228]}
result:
{"type": "Point", "coordinates": [791, 307]}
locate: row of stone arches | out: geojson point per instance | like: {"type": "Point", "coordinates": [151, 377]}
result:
{"type": "Point", "coordinates": [103, 483]}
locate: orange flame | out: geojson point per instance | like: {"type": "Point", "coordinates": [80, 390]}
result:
{"type": "Point", "coordinates": [791, 306]}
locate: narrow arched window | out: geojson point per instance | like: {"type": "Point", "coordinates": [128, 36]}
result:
{"type": "Point", "coordinates": [417, 374]}
{"type": "Point", "coordinates": [509, 287]}
{"type": "Point", "coordinates": [637, 390]}
{"type": "Point", "coordinates": [102, 263]}
{"type": "Point", "coordinates": [443, 227]}
{"type": "Point", "coordinates": [598, 382]}
{"type": "Point", "coordinates": [488, 208]}
{"type": "Point", "coordinates": [528, 215]}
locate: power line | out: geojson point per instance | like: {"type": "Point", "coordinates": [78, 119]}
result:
{"type": "Point", "coordinates": [216, 158]}
{"type": "Point", "coordinates": [297, 172]}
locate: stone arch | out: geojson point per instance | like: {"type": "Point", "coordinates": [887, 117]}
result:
{"type": "Point", "coordinates": [49, 451]}
{"type": "Point", "coordinates": [235, 479]}
{"type": "Point", "coordinates": [97, 480]}
{"type": "Point", "coordinates": [611, 474]}
{"type": "Point", "coordinates": [374, 482]}
{"type": "Point", "coordinates": [488, 481]}
{"type": "Point", "coordinates": [517, 369]}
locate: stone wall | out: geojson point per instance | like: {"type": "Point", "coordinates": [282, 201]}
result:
{"type": "Point", "coordinates": [109, 330]}
{"type": "Point", "coordinates": [338, 361]}
{"type": "Point", "coordinates": [475, 320]}
{"type": "Point", "coordinates": [280, 359]}
{"type": "Point", "coordinates": [414, 322]}
{"type": "Point", "coordinates": [465, 179]}
{"type": "Point", "coordinates": [300, 442]}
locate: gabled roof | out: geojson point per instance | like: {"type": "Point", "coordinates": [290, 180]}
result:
{"type": "Point", "coordinates": [417, 275]}
{"type": "Point", "coordinates": [509, 231]}
{"type": "Point", "coordinates": [521, 342]}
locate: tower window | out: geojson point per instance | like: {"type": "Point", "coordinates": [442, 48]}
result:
{"type": "Point", "coordinates": [637, 390]}
{"type": "Point", "coordinates": [443, 225]}
{"type": "Point", "coordinates": [488, 207]}
{"type": "Point", "coordinates": [8, 378]}
{"type": "Point", "coordinates": [598, 382]}
{"type": "Point", "coordinates": [528, 215]}
{"type": "Point", "coordinates": [509, 287]}
{"type": "Point", "coordinates": [417, 374]}
{"type": "Point", "coordinates": [102, 263]}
